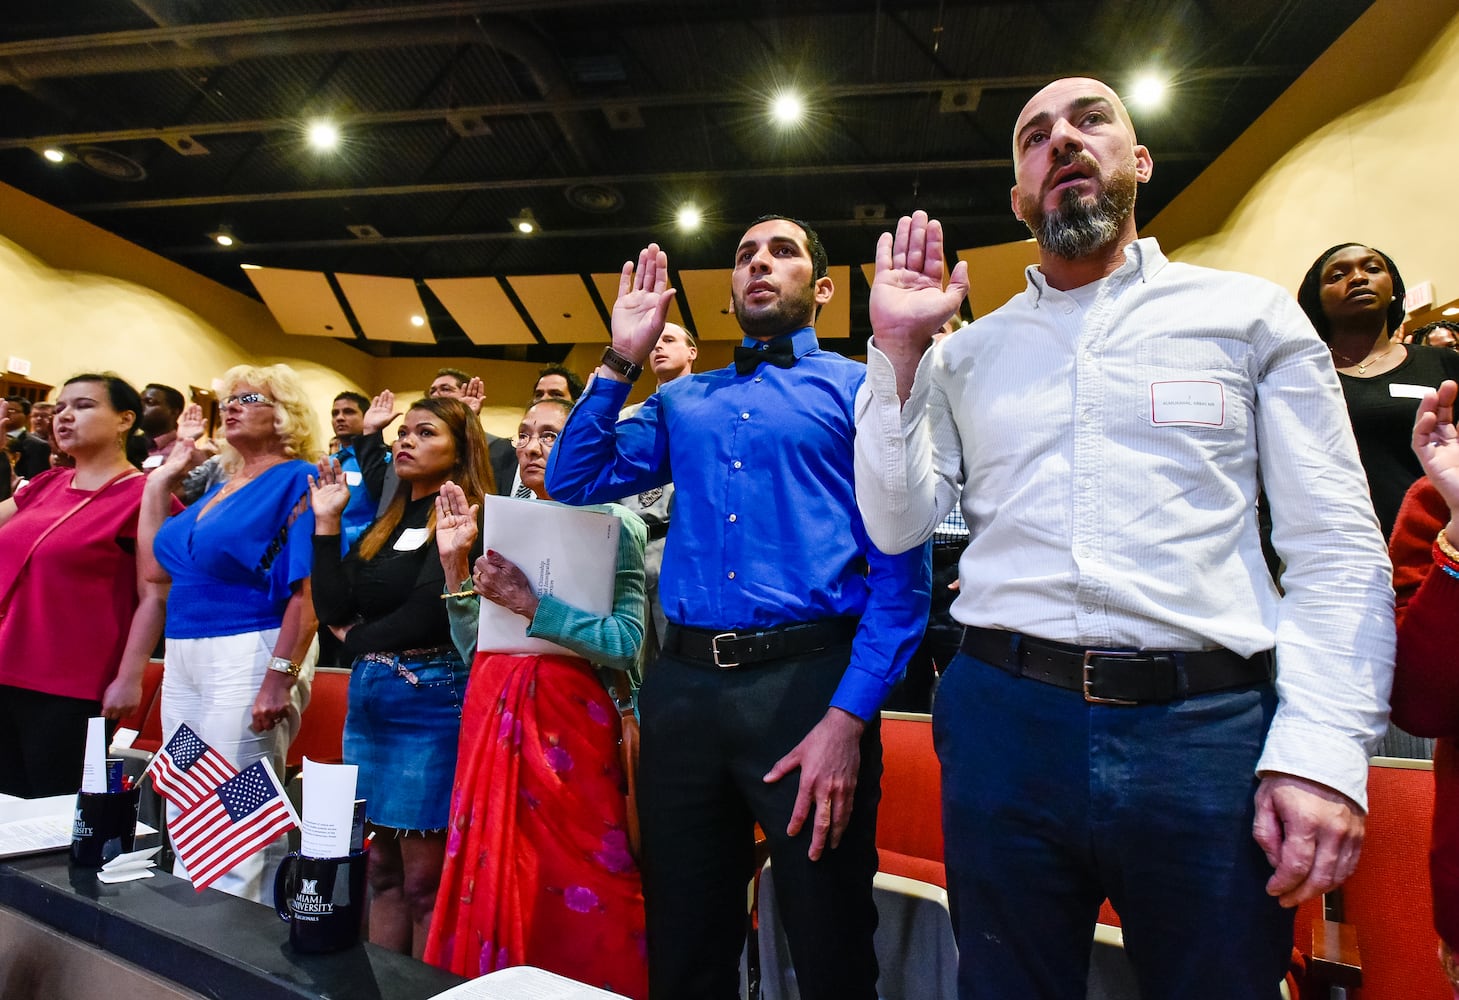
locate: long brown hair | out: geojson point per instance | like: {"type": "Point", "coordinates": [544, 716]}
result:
{"type": "Point", "coordinates": [472, 472]}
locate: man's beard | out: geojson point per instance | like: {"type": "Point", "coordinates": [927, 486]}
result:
{"type": "Point", "coordinates": [790, 312]}
{"type": "Point", "coordinates": [1075, 228]}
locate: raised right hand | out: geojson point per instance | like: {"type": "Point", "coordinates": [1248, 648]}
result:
{"type": "Point", "coordinates": [1436, 443]}
{"type": "Point", "coordinates": [381, 413]}
{"type": "Point", "coordinates": [456, 532]}
{"type": "Point", "coordinates": [328, 495]}
{"type": "Point", "coordinates": [642, 304]}
{"type": "Point", "coordinates": [191, 424]}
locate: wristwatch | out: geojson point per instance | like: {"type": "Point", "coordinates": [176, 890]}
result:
{"type": "Point", "coordinates": [623, 366]}
{"type": "Point", "coordinates": [283, 665]}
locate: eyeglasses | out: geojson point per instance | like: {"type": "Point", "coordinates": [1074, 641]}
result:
{"type": "Point", "coordinates": [548, 439]}
{"type": "Point", "coordinates": [249, 399]}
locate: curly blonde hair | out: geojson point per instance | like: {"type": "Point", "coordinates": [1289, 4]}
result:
{"type": "Point", "coordinates": [294, 418]}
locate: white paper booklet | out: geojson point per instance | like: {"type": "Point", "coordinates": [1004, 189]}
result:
{"type": "Point", "coordinates": [569, 553]}
{"type": "Point", "coordinates": [525, 983]}
{"type": "Point", "coordinates": [329, 809]}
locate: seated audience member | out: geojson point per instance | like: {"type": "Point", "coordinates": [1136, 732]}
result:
{"type": "Point", "coordinates": [68, 541]}
{"type": "Point", "coordinates": [1425, 551]}
{"type": "Point", "coordinates": [32, 454]}
{"type": "Point", "coordinates": [162, 406]}
{"type": "Point", "coordinates": [557, 382]}
{"type": "Point", "coordinates": [383, 602]}
{"type": "Point", "coordinates": [1353, 294]}
{"type": "Point", "coordinates": [1440, 333]}
{"type": "Point", "coordinates": [538, 870]}
{"type": "Point", "coordinates": [673, 357]}
{"type": "Point", "coordinates": [240, 622]}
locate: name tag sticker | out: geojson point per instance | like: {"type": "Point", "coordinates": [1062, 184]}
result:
{"type": "Point", "coordinates": [1400, 391]}
{"type": "Point", "coordinates": [153, 461]}
{"type": "Point", "coordinates": [1188, 402]}
{"type": "Point", "coordinates": [410, 539]}
{"type": "Point", "coordinates": [353, 478]}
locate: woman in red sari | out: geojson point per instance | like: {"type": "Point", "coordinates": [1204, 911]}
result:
{"type": "Point", "coordinates": [538, 870]}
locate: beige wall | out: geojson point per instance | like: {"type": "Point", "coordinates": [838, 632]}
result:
{"type": "Point", "coordinates": [1361, 147]}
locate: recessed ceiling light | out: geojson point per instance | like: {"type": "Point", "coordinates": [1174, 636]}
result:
{"type": "Point", "coordinates": [689, 218]}
{"type": "Point", "coordinates": [250, 267]}
{"type": "Point", "coordinates": [787, 107]}
{"type": "Point", "coordinates": [54, 155]}
{"type": "Point", "coordinates": [223, 238]}
{"type": "Point", "coordinates": [323, 134]}
{"type": "Point", "coordinates": [1148, 92]}
{"type": "Point", "coordinates": [525, 222]}
{"type": "Point", "coordinates": [417, 321]}
{"type": "Point", "coordinates": [1451, 311]}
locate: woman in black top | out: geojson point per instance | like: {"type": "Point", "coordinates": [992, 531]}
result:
{"type": "Point", "coordinates": [1353, 294]}
{"type": "Point", "coordinates": [384, 603]}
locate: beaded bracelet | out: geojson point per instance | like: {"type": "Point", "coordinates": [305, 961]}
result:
{"type": "Point", "coordinates": [1446, 557]}
{"type": "Point", "coordinates": [468, 592]}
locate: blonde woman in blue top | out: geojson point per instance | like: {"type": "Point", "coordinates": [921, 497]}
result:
{"type": "Point", "coordinates": [240, 622]}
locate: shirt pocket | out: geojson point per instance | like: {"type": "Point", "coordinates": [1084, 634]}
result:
{"type": "Point", "coordinates": [1192, 399]}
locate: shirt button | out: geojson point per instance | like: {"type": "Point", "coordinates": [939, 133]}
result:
{"type": "Point", "coordinates": [1089, 609]}
{"type": "Point", "coordinates": [731, 574]}
{"type": "Point", "coordinates": [1088, 416]}
{"type": "Point", "coordinates": [1088, 355]}
{"type": "Point", "coordinates": [759, 378]}
{"type": "Point", "coordinates": [744, 416]}
{"type": "Point", "coordinates": [1068, 310]}
{"type": "Point", "coordinates": [734, 517]}
{"type": "Point", "coordinates": [737, 465]}
{"type": "Point", "coordinates": [1086, 482]}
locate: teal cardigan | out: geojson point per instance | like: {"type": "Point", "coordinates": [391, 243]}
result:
{"type": "Point", "coordinates": [610, 641]}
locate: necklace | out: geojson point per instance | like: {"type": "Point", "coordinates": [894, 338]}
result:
{"type": "Point", "coordinates": [1363, 365]}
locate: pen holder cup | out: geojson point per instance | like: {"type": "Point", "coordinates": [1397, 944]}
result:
{"type": "Point", "coordinates": [322, 900]}
{"type": "Point", "coordinates": [105, 826]}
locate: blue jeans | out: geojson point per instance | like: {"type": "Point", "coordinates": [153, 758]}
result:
{"type": "Point", "coordinates": [1050, 805]}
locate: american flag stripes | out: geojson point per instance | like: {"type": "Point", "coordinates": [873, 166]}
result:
{"type": "Point", "coordinates": [243, 815]}
{"type": "Point", "coordinates": [187, 769]}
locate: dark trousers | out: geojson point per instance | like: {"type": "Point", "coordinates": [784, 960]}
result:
{"type": "Point", "coordinates": [43, 741]}
{"type": "Point", "coordinates": [1051, 804]}
{"type": "Point", "coordinates": [709, 736]}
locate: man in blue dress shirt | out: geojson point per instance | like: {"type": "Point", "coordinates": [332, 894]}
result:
{"type": "Point", "coordinates": [787, 628]}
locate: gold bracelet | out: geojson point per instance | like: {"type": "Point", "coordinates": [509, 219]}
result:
{"type": "Point", "coordinates": [1445, 546]}
{"type": "Point", "coordinates": [468, 592]}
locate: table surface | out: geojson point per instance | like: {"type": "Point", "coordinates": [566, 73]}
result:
{"type": "Point", "coordinates": [210, 942]}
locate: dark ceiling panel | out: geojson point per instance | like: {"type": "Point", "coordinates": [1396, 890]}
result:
{"type": "Point", "coordinates": [601, 119]}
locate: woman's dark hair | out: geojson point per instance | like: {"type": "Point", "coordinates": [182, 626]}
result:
{"type": "Point", "coordinates": [119, 392]}
{"type": "Point", "coordinates": [472, 472]}
{"type": "Point", "coordinates": [1421, 335]}
{"type": "Point", "coordinates": [1309, 293]}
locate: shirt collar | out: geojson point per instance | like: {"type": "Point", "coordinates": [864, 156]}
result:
{"type": "Point", "coordinates": [802, 341]}
{"type": "Point", "coordinates": [1142, 255]}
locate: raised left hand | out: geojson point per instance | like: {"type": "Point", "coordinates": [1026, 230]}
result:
{"type": "Point", "coordinates": [828, 759]}
{"type": "Point", "coordinates": [501, 582]}
{"type": "Point", "coordinates": [1311, 834]}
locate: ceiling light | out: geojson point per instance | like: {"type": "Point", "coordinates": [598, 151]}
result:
{"type": "Point", "coordinates": [525, 222]}
{"type": "Point", "coordinates": [787, 107]}
{"type": "Point", "coordinates": [323, 135]}
{"type": "Point", "coordinates": [54, 155]}
{"type": "Point", "coordinates": [223, 238]}
{"type": "Point", "coordinates": [1451, 311]}
{"type": "Point", "coordinates": [417, 321]}
{"type": "Point", "coordinates": [250, 267]}
{"type": "Point", "coordinates": [1148, 92]}
{"type": "Point", "coordinates": [689, 218]}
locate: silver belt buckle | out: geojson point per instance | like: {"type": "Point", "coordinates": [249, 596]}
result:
{"type": "Point", "coordinates": [1091, 698]}
{"type": "Point", "coordinates": [714, 646]}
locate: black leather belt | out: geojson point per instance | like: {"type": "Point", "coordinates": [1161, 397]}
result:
{"type": "Point", "coordinates": [657, 529]}
{"type": "Point", "coordinates": [728, 650]}
{"type": "Point", "coordinates": [1117, 677]}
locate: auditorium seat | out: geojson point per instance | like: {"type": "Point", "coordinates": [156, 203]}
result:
{"type": "Point", "coordinates": [151, 691]}
{"type": "Point", "coordinates": [321, 728]}
{"type": "Point", "coordinates": [909, 820]}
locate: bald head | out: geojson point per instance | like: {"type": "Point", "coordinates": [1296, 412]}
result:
{"type": "Point", "coordinates": [1085, 90]}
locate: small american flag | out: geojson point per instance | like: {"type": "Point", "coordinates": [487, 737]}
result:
{"type": "Point", "coordinates": [187, 769]}
{"type": "Point", "coordinates": [242, 816]}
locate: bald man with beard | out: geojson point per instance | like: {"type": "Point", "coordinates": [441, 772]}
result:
{"type": "Point", "coordinates": [1137, 711]}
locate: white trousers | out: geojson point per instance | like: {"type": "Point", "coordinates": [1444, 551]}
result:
{"type": "Point", "coordinates": [211, 684]}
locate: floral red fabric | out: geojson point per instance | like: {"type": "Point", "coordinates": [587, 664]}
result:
{"type": "Point", "coordinates": [537, 868]}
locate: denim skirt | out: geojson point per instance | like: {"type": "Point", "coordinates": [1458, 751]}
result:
{"type": "Point", "coordinates": [403, 728]}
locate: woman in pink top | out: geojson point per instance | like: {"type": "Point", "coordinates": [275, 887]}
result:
{"type": "Point", "coordinates": [77, 620]}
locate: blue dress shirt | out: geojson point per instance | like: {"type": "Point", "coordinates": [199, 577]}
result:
{"type": "Point", "coordinates": [766, 530]}
{"type": "Point", "coordinates": [359, 513]}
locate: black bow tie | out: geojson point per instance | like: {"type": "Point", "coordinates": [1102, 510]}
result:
{"type": "Point", "coordinates": [780, 353]}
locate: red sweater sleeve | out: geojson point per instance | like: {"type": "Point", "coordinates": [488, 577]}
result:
{"type": "Point", "coordinates": [1426, 677]}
